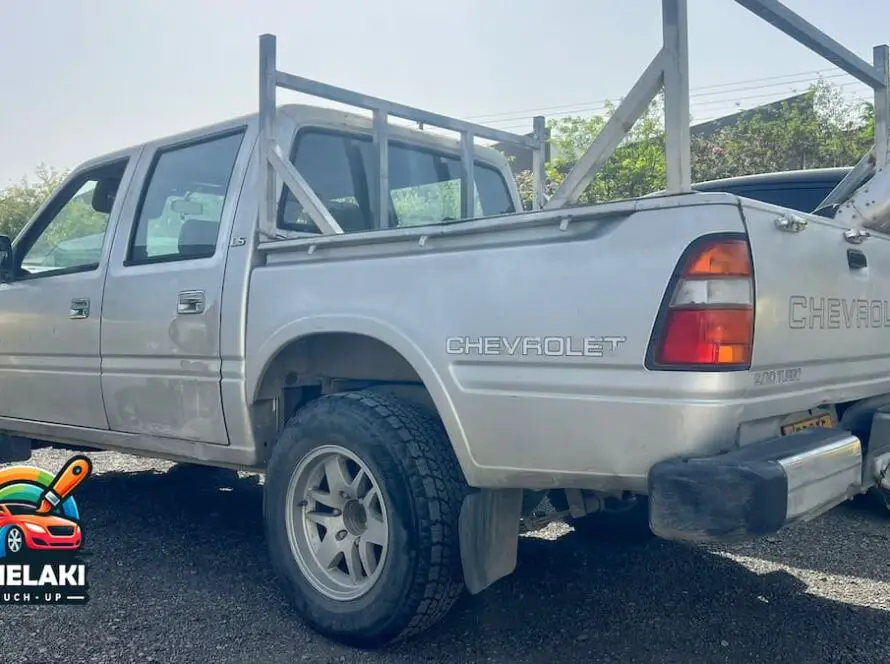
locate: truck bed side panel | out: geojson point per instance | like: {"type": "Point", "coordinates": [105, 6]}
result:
{"type": "Point", "coordinates": [519, 327]}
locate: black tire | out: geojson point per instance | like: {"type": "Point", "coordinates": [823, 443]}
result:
{"type": "Point", "coordinates": [619, 527]}
{"type": "Point", "coordinates": [410, 453]}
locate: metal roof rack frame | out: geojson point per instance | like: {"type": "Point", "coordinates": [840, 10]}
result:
{"type": "Point", "coordinates": [275, 162]}
{"type": "Point", "coordinates": [668, 70]}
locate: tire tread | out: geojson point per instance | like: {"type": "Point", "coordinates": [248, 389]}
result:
{"type": "Point", "coordinates": [436, 486]}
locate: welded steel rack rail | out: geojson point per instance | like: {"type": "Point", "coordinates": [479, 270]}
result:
{"type": "Point", "coordinates": [668, 70]}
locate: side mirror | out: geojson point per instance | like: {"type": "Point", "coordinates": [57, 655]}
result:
{"type": "Point", "coordinates": [6, 259]}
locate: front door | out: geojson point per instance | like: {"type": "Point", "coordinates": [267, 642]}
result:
{"type": "Point", "coordinates": [161, 309]}
{"type": "Point", "coordinates": [49, 312]}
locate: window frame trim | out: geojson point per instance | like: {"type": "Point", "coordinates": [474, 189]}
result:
{"type": "Point", "coordinates": [159, 152]}
{"type": "Point", "coordinates": [401, 143]}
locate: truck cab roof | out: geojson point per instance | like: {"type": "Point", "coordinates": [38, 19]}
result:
{"type": "Point", "coordinates": [291, 117]}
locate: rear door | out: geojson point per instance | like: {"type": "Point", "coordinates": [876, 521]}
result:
{"type": "Point", "coordinates": [161, 311]}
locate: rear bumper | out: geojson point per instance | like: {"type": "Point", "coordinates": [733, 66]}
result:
{"type": "Point", "coordinates": [758, 489]}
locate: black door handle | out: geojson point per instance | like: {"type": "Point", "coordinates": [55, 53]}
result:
{"type": "Point", "coordinates": [856, 259]}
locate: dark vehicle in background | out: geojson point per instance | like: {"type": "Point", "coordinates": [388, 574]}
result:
{"type": "Point", "coordinates": [798, 190]}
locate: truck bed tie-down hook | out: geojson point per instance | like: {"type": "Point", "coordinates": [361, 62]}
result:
{"type": "Point", "coordinates": [791, 223]}
{"type": "Point", "coordinates": [856, 235]}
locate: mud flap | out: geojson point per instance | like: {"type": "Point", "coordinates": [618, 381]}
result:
{"type": "Point", "coordinates": [876, 469]}
{"type": "Point", "coordinates": [489, 536]}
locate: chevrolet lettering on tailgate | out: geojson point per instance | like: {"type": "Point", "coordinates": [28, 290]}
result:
{"type": "Point", "coordinates": [835, 313]}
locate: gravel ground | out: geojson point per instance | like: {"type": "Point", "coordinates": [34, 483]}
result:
{"type": "Point", "coordinates": [178, 574]}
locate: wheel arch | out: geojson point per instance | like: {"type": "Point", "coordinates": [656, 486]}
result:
{"type": "Point", "coordinates": [403, 358]}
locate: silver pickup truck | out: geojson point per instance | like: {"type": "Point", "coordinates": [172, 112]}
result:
{"type": "Point", "coordinates": [369, 317]}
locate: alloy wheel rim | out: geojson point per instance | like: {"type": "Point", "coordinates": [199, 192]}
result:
{"type": "Point", "coordinates": [14, 541]}
{"type": "Point", "coordinates": [337, 523]}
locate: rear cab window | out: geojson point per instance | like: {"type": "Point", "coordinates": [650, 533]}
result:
{"type": "Point", "coordinates": [424, 184]}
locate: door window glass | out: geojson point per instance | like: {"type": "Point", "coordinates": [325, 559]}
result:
{"type": "Point", "coordinates": [73, 234]}
{"type": "Point", "coordinates": [181, 208]}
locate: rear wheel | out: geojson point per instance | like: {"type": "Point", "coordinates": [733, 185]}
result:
{"type": "Point", "coordinates": [361, 508]}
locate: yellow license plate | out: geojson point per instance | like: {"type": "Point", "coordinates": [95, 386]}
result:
{"type": "Point", "coordinates": [824, 421]}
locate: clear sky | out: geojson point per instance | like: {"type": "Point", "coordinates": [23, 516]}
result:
{"type": "Point", "coordinates": [82, 77]}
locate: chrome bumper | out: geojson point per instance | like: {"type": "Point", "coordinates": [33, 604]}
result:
{"type": "Point", "coordinates": [822, 478]}
{"type": "Point", "coordinates": [757, 489]}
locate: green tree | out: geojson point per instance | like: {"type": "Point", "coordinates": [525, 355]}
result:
{"type": "Point", "coordinates": [821, 129]}
{"type": "Point", "coordinates": [78, 224]}
{"type": "Point", "coordinates": [20, 201]}
{"type": "Point", "coordinates": [635, 169]}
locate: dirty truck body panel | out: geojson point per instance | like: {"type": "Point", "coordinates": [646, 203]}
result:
{"type": "Point", "coordinates": [531, 340]}
{"type": "Point", "coordinates": [533, 346]}
{"type": "Point", "coordinates": [365, 313]}
{"type": "Point", "coordinates": [424, 380]}
{"type": "Point", "coordinates": [530, 332]}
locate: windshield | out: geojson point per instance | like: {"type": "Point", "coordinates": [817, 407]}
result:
{"type": "Point", "coordinates": [424, 185]}
{"type": "Point", "coordinates": [17, 509]}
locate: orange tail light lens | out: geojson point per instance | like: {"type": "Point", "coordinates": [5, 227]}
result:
{"type": "Point", "coordinates": [710, 317]}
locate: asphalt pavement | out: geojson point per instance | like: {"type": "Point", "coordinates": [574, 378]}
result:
{"type": "Point", "coordinates": [178, 574]}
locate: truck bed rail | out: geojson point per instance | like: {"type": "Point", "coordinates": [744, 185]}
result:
{"type": "Point", "coordinates": [271, 155]}
{"type": "Point", "coordinates": [668, 70]}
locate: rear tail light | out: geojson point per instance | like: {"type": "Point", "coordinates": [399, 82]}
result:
{"type": "Point", "coordinates": [708, 321]}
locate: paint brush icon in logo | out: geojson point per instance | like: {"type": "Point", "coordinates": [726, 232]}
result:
{"type": "Point", "coordinates": [69, 478]}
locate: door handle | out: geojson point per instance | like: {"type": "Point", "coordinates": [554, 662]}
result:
{"type": "Point", "coordinates": [80, 308]}
{"type": "Point", "coordinates": [856, 259]}
{"type": "Point", "coordinates": [190, 302]}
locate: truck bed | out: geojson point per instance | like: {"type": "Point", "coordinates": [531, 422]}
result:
{"type": "Point", "coordinates": [495, 324]}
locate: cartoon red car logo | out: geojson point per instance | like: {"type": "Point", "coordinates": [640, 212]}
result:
{"type": "Point", "coordinates": [37, 532]}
